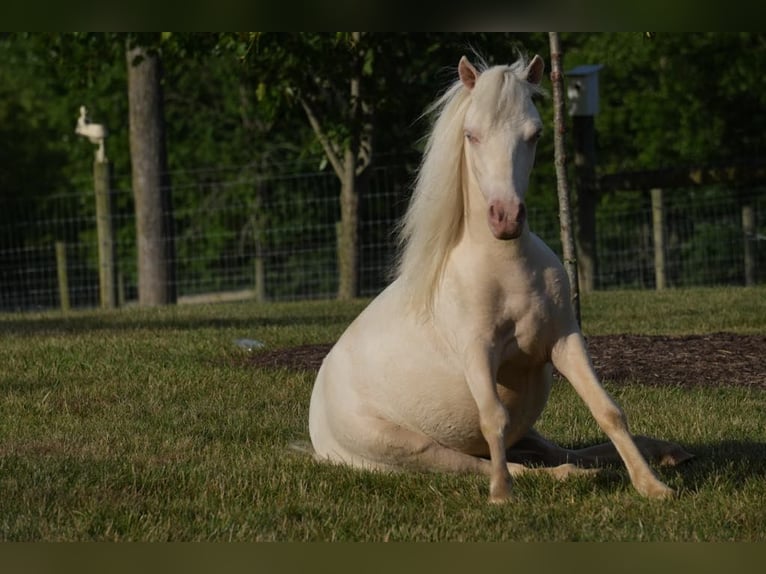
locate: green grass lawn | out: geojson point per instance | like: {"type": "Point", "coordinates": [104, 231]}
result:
{"type": "Point", "coordinates": [146, 424]}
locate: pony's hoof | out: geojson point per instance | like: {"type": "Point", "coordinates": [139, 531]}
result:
{"type": "Point", "coordinates": [564, 471]}
{"type": "Point", "coordinates": [664, 453]}
{"type": "Point", "coordinates": [675, 456]}
{"type": "Point", "coordinates": [658, 491]}
{"type": "Point", "coordinates": [499, 491]}
{"type": "Point", "coordinates": [500, 499]}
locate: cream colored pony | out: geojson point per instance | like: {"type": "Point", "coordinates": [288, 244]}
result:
{"type": "Point", "coordinates": [450, 366]}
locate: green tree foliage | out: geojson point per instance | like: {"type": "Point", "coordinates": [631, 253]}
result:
{"type": "Point", "coordinates": [676, 99]}
{"type": "Point", "coordinates": [44, 79]}
{"type": "Point", "coordinates": [231, 102]}
{"type": "Point", "coordinates": [673, 101]}
{"type": "Point", "coordinates": [314, 74]}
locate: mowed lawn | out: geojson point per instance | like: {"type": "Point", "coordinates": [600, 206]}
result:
{"type": "Point", "coordinates": [150, 425]}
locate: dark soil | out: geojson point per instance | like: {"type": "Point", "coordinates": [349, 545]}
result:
{"type": "Point", "coordinates": [720, 359]}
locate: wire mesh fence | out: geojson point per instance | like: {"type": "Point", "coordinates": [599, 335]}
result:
{"type": "Point", "coordinates": [274, 238]}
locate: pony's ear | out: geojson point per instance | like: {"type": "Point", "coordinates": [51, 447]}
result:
{"type": "Point", "coordinates": [468, 74]}
{"type": "Point", "coordinates": [534, 71]}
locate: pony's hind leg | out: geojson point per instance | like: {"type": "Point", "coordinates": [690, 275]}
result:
{"type": "Point", "coordinates": [535, 448]}
{"type": "Point", "coordinates": [661, 452]}
{"type": "Point", "coordinates": [387, 446]}
{"type": "Point", "coordinates": [384, 444]}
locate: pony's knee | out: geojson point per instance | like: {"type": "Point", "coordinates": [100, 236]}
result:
{"type": "Point", "coordinates": [612, 418]}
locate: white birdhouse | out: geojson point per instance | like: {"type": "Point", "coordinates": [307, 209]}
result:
{"type": "Point", "coordinates": [96, 133]}
{"type": "Point", "coordinates": [582, 90]}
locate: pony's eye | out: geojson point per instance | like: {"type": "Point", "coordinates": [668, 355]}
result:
{"type": "Point", "coordinates": [535, 136]}
{"type": "Point", "coordinates": [471, 138]}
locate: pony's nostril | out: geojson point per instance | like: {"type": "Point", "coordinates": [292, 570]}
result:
{"type": "Point", "coordinates": [496, 213]}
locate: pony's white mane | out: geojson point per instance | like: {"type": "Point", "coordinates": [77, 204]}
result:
{"type": "Point", "coordinates": [434, 219]}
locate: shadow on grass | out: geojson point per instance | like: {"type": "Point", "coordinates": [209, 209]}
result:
{"type": "Point", "coordinates": [72, 325]}
{"type": "Point", "coordinates": [731, 462]}
{"type": "Point", "coordinates": [728, 465]}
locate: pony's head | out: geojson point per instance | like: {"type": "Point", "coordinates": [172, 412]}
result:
{"type": "Point", "coordinates": [501, 127]}
{"type": "Point", "coordinates": [485, 130]}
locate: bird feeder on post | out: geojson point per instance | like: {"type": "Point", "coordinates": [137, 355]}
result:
{"type": "Point", "coordinates": [96, 134]}
{"type": "Point", "coordinates": [582, 93]}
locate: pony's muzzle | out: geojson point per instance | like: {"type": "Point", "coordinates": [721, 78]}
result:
{"type": "Point", "coordinates": [506, 219]}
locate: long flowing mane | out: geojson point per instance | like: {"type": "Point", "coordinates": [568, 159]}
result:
{"type": "Point", "coordinates": [433, 222]}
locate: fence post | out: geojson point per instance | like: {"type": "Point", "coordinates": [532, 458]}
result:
{"type": "Point", "coordinates": [105, 232]}
{"type": "Point", "coordinates": [582, 91]}
{"type": "Point", "coordinates": [584, 137]}
{"type": "Point", "coordinates": [120, 289]}
{"type": "Point", "coordinates": [63, 276]}
{"type": "Point", "coordinates": [260, 275]}
{"type": "Point", "coordinates": [748, 232]}
{"type": "Point", "coordinates": [658, 228]}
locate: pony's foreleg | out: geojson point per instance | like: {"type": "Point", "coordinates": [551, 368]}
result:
{"type": "Point", "coordinates": [570, 357]}
{"type": "Point", "coordinates": [493, 417]}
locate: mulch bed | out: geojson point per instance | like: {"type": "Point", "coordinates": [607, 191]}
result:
{"type": "Point", "coordinates": [720, 359]}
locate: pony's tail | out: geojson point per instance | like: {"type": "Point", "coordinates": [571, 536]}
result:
{"type": "Point", "coordinates": [302, 447]}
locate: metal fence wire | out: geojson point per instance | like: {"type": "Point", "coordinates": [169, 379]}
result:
{"type": "Point", "coordinates": [239, 234]}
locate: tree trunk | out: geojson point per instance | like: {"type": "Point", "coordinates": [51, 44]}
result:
{"type": "Point", "coordinates": [349, 198]}
{"type": "Point", "coordinates": [350, 162]}
{"type": "Point", "coordinates": [584, 135]}
{"type": "Point", "coordinates": [565, 215]}
{"type": "Point", "coordinates": [151, 189]}
{"type": "Point", "coordinates": [348, 230]}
